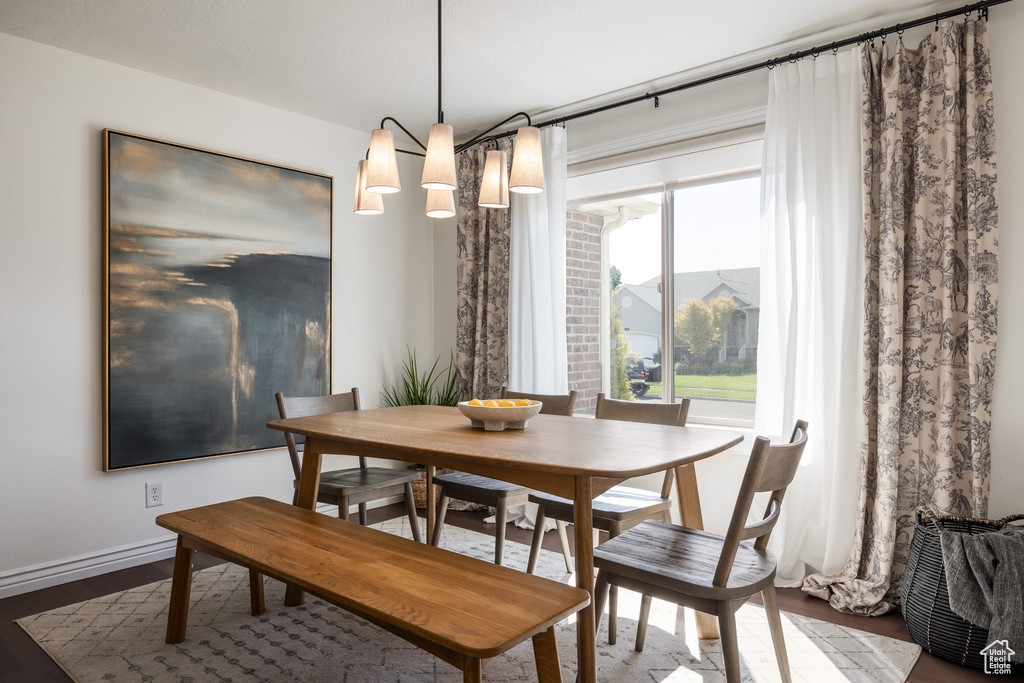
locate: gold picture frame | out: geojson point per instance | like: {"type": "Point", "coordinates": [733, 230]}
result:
{"type": "Point", "coordinates": [216, 295]}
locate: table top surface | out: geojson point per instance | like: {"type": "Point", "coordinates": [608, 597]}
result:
{"type": "Point", "coordinates": [550, 444]}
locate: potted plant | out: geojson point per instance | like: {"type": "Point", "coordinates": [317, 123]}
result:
{"type": "Point", "coordinates": [417, 388]}
{"type": "Point", "coordinates": [429, 387]}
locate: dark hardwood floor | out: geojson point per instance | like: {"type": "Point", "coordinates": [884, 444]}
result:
{"type": "Point", "coordinates": [22, 661]}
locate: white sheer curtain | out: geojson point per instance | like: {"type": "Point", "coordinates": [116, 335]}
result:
{"type": "Point", "coordinates": [536, 336]}
{"type": "Point", "coordinates": [812, 280]}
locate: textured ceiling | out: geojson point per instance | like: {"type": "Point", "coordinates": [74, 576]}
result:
{"type": "Point", "coordinates": [354, 63]}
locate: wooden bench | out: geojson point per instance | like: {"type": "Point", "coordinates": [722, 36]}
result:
{"type": "Point", "coordinates": [460, 609]}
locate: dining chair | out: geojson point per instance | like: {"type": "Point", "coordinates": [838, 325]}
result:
{"type": "Point", "coordinates": [355, 485]}
{"type": "Point", "coordinates": [710, 573]}
{"type": "Point", "coordinates": [620, 507]}
{"type": "Point", "coordinates": [495, 493]}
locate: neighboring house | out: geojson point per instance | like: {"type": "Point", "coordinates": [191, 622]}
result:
{"type": "Point", "coordinates": [640, 309]}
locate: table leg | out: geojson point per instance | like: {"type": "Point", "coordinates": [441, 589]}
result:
{"type": "Point", "coordinates": [431, 503]}
{"type": "Point", "coordinates": [309, 486]}
{"type": "Point", "coordinates": [690, 516]}
{"type": "Point", "coordinates": [586, 619]}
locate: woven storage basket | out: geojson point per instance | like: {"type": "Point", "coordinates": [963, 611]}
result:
{"type": "Point", "coordinates": [419, 493]}
{"type": "Point", "coordinates": [925, 595]}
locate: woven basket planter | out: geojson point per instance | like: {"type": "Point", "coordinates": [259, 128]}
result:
{"type": "Point", "coordinates": [925, 595]}
{"type": "Point", "coordinates": [419, 493]}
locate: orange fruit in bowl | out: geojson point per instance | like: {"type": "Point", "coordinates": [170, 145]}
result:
{"type": "Point", "coordinates": [506, 403]}
{"type": "Point", "coordinates": [475, 402]}
{"type": "Point", "coordinates": [524, 402]}
{"type": "Point", "coordinates": [491, 404]}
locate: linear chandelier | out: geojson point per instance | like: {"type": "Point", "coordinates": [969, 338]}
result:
{"type": "Point", "coordinates": [377, 174]}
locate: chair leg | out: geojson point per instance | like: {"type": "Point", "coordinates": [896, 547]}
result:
{"type": "Point", "coordinates": [771, 610]}
{"type": "Point", "coordinates": [641, 625]}
{"type": "Point", "coordinates": [730, 647]}
{"type": "Point", "coordinates": [614, 529]}
{"type": "Point", "coordinates": [343, 508]}
{"type": "Point", "coordinates": [613, 613]}
{"type": "Point", "coordinates": [538, 540]}
{"type": "Point", "coordinates": [600, 597]}
{"type": "Point", "coordinates": [564, 538]}
{"type": "Point", "coordinates": [362, 514]}
{"type": "Point", "coordinates": [410, 509]}
{"type": "Point", "coordinates": [442, 508]}
{"type": "Point", "coordinates": [500, 519]}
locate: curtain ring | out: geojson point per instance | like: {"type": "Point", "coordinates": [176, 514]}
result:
{"type": "Point", "coordinates": [792, 58]}
{"type": "Point", "coordinates": [770, 64]}
{"type": "Point", "coordinates": [815, 52]}
{"type": "Point", "coordinates": [936, 22]}
{"type": "Point", "coordinates": [835, 50]}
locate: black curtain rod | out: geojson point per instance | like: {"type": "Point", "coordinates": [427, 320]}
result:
{"type": "Point", "coordinates": [980, 7]}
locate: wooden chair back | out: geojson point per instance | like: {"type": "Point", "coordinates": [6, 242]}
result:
{"type": "Point", "coordinates": [651, 412]}
{"type": "Point", "coordinates": [554, 404]}
{"type": "Point", "coordinates": [304, 406]}
{"type": "Point", "coordinates": [770, 470]}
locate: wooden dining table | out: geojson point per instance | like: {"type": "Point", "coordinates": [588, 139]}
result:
{"type": "Point", "coordinates": [574, 458]}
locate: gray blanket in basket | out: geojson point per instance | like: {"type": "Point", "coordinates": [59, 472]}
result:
{"type": "Point", "coordinates": [985, 576]}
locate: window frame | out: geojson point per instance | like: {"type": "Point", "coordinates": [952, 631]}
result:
{"type": "Point", "coordinates": [717, 171]}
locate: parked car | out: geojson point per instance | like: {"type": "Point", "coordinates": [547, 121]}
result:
{"type": "Point", "coordinates": [652, 370]}
{"type": "Point", "coordinates": [637, 374]}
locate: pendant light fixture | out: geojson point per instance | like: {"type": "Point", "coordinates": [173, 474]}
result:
{"type": "Point", "coordinates": [379, 173]}
{"type": "Point", "coordinates": [494, 186]}
{"type": "Point", "coordinates": [367, 203]}
{"type": "Point", "coordinates": [440, 203]}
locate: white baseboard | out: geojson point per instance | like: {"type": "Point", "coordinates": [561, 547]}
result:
{"type": "Point", "coordinates": [50, 574]}
{"type": "Point", "coordinates": [56, 573]}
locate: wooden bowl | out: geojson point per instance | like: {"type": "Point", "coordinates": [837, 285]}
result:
{"type": "Point", "coordinates": [494, 419]}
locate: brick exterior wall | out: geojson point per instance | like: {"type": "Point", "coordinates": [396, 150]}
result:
{"type": "Point", "coordinates": [583, 301]}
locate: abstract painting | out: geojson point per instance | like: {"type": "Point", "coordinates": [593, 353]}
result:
{"type": "Point", "coordinates": [217, 294]}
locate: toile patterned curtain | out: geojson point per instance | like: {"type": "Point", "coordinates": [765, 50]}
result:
{"type": "Point", "coordinates": [931, 301]}
{"type": "Point", "coordinates": [482, 241]}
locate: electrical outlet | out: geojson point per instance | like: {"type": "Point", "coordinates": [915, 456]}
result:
{"type": "Point", "coordinates": [154, 494]}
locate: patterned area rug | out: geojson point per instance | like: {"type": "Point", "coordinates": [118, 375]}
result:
{"type": "Point", "coordinates": [119, 638]}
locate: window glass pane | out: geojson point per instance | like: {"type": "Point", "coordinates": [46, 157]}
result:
{"type": "Point", "coordinates": [717, 298]}
{"type": "Point", "coordinates": [634, 264]}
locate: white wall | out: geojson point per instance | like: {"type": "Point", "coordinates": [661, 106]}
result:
{"type": "Point", "coordinates": [58, 511]}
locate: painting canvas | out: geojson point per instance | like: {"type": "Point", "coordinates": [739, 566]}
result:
{"type": "Point", "coordinates": [217, 295]}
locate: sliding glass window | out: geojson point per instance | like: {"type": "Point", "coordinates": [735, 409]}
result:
{"type": "Point", "coordinates": [705, 232]}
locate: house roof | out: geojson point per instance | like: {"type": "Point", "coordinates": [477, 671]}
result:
{"type": "Point", "coordinates": [742, 283]}
{"type": "Point", "coordinates": [649, 295]}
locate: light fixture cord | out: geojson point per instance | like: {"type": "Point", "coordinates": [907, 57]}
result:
{"type": "Point", "coordinates": [440, 111]}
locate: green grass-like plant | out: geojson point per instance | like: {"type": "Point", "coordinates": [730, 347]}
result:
{"type": "Point", "coordinates": [430, 387]}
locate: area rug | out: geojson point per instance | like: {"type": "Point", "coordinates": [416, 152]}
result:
{"type": "Point", "coordinates": [119, 638]}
